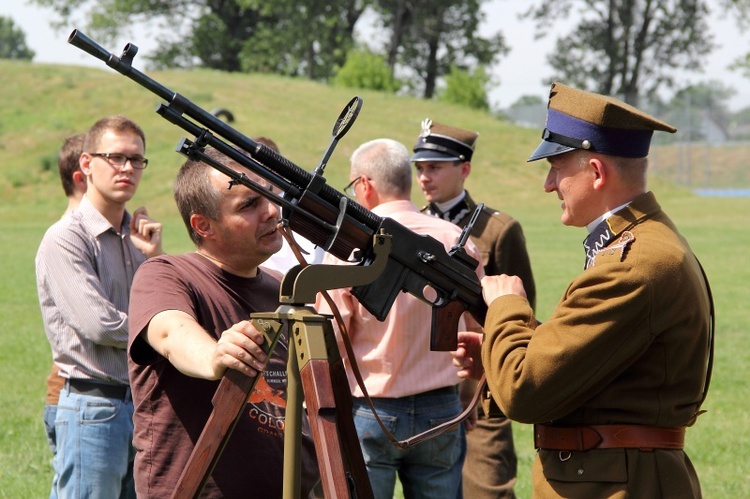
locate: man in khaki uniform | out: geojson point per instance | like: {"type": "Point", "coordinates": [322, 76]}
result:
{"type": "Point", "coordinates": [622, 366]}
{"type": "Point", "coordinates": [442, 160]}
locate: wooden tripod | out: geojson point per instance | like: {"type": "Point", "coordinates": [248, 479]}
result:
{"type": "Point", "coordinates": [314, 365]}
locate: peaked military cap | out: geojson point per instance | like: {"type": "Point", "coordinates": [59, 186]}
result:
{"type": "Point", "coordinates": [598, 123]}
{"type": "Point", "coordinates": [443, 143]}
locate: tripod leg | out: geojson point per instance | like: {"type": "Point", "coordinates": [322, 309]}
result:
{"type": "Point", "coordinates": [329, 409]}
{"type": "Point", "coordinates": [348, 432]}
{"type": "Point", "coordinates": [229, 400]}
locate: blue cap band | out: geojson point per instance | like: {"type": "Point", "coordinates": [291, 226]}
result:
{"type": "Point", "coordinates": [627, 143]}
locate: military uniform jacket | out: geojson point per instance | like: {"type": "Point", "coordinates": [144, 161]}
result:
{"type": "Point", "coordinates": [501, 243]}
{"type": "Point", "coordinates": [628, 343]}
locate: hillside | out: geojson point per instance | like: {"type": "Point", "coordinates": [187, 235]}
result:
{"type": "Point", "coordinates": [42, 104]}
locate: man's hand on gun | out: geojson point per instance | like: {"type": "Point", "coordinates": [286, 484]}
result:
{"type": "Point", "coordinates": [468, 355]}
{"type": "Point", "coordinates": [495, 286]}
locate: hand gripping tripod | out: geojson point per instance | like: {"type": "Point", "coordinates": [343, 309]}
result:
{"type": "Point", "coordinates": [316, 367]}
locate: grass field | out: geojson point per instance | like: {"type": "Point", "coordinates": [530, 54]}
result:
{"type": "Point", "coordinates": [42, 104]}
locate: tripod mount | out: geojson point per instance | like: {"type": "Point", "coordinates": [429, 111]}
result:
{"type": "Point", "coordinates": [315, 374]}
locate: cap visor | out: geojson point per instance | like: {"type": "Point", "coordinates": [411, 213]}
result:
{"type": "Point", "coordinates": [427, 155]}
{"type": "Point", "coordinates": [547, 149]}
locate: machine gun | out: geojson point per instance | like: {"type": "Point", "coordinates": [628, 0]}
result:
{"type": "Point", "coordinates": [417, 264]}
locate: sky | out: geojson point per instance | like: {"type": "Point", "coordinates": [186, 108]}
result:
{"type": "Point", "coordinates": [520, 73]}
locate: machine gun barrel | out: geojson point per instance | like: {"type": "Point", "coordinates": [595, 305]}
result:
{"type": "Point", "coordinates": [268, 164]}
{"type": "Point", "coordinates": [324, 215]}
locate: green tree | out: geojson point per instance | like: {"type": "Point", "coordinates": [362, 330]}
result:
{"type": "Point", "coordinates": [189, 32]}
{"type": "Point", "coordinates": [219, 34]}
{"type": "Point", "coordinates": [528, 100]}
{"type": "Point", "coordinates": [465, 88]}
{"type": "Point", "coordinates": [742, 64]}
{"type": "Point", "coordinates": [740, 124]}
{"type": "Point", "coordinates": [284, 36]}
{"type": "Point", "coordinates": [427, 37]}
{"type": "Point", "coordinates": [309, 39]}
{"type": "Point", "coordinates": [13, 41]}
{"type": "Point", "coordinates": [740, 9]}
{"type": "Point", "coordinates": [692, 107]}
{"type": "Point", "coordinates": [366, 69]}
{"type": "Point", "coordinates": [626, 47]}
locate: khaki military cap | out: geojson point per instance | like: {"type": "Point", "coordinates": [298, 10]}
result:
{"type": "Point", "coordinates": [598, 123]}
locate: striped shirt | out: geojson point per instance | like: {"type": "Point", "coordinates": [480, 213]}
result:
{"type": "Point", "coordinates": [84, 270]}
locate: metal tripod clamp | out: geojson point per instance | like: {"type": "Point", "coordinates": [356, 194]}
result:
{"type": "Point", "coordinates": [302, 283]}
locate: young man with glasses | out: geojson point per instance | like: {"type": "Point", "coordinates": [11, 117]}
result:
{"type": "Point", "coordinates": [84, 269]}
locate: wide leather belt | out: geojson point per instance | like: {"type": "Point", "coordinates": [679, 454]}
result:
{"type": "Point", "coordinates": [95, 389]}
{"type": "Point", "coordinates": [583, 438]}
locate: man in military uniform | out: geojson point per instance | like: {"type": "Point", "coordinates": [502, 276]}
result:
{"type": "Point", "coordinates": [442, 159]}
{"type": "Point", "coordinates": [621, 368]}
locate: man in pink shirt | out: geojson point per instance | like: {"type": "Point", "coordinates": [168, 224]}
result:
{"type": "Point", "coordinates": [413, 388]}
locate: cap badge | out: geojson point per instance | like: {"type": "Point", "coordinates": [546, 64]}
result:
{"type": "Point", "coordinates": [426, 126]}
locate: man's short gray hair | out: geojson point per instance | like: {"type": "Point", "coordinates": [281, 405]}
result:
{"type": "Point", "coordinates": [386, 162]}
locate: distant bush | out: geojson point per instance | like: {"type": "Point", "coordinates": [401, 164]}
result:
{"type": "Point", "coordinates": [466, 89]}
{"type": "Point", "coordinates": [365, 69]}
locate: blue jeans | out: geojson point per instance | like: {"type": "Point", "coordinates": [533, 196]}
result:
{"type": "Point", "coordinates": [94, 446]}
{"type": "Point", "coordinates": [50, 413]}
{"type": "Point", "coordinates": [431, 469]}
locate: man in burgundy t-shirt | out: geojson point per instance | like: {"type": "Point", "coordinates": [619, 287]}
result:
{"type": "Point", "coordinates": [211, 291]}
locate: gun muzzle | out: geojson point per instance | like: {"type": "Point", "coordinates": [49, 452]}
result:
{"type": "Point", "coordinates": [88, 45]}
{"type": "Point", "coordinates": [121, 64]}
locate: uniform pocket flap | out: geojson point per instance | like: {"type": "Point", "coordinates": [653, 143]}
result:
{"type": "Point", "coordinates": [603, 465]}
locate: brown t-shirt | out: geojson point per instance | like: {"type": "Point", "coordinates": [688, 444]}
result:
{"type": "Point", "coordinates": [171, 408]}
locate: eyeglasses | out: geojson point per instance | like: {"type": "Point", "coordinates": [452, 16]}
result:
{"type": "Point", "coordinates": [349, 189]}
{"type": "Point", "coordinates": [116, 159]}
